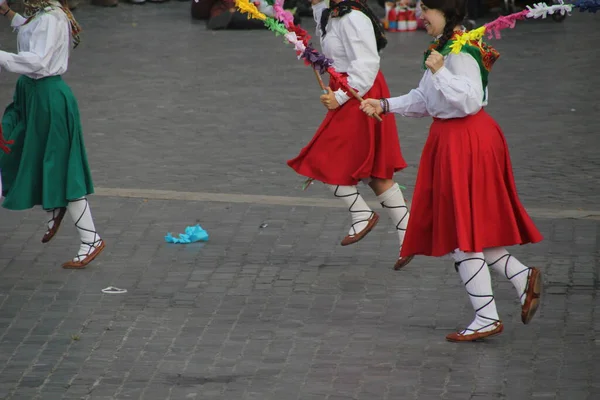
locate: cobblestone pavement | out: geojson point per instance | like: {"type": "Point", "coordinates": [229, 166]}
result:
{"type": "Point", "coordinates": [174, 113]}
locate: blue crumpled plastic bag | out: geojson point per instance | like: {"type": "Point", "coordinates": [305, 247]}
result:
{"type": "Point", "coordinates": [192, 234]}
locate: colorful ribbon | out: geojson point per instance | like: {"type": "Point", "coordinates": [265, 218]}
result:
{"type": "Point", "coordinates": [492, 29]}
{"type": "Point", "coordinates": [295, 35]}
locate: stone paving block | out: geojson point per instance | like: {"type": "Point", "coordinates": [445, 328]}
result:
{"type": "Point", "coordinates": [284, 312]}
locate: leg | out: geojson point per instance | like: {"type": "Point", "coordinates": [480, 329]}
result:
{"type": "Point", "coordinates": [527, 281]}
{"type": "Point", "coordinates": [55, 217]}
{"type": "Point", "coordinates": [91, 243]}
{"type": "Point", "coordinates": [363, 218]}
{"type": "Point", "coordinates": [391, 198]}
{"type": "Point", "coordinates": [475, 275]}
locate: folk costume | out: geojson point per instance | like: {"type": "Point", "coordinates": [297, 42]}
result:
{"type": "Point", "coordinates": [465, 199]}
{"type": "Point", "coordinates": [47, 162]}
{"type": "Point", "coordinates": [348, 146]}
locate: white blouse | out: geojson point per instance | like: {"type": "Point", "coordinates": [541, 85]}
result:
{"type": "Point", "coordinates": [454, 91]}
{"type": "Point", "coordinates": [43, 45]}
{"type": "Point", "coordinates": [350, 43]}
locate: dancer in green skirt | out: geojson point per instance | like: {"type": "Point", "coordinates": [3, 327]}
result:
{"type": "Point", "coordinates": [46, 163]}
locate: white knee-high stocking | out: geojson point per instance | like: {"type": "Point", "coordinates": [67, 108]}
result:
{"type": "Point", "coordinates": [360, 212]}
{"type": "Point", "coordinates": [393, 200]}
{"type": "Point", "coordinates": [475, 275]}
{"type": "Point", "coordinates": [79, 210]}
{"type": "Point", "coordinates": [504, 263]}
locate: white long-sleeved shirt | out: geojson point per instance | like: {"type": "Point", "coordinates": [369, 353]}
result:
{"type": "Point", "coordinates": [454, 91]}
{"type": "Point", "coordinates": [43, 45]}
{"type": "Point", "coordinates": [350, 42]}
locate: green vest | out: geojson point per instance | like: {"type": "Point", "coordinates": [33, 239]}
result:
{"type": "Point", "coordinates": [484, 54]}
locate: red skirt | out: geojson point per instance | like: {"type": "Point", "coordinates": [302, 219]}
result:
{"type": "Point", "coordinates": [350, 146]}
{"type": "Point", "coordinates": [465, 196]}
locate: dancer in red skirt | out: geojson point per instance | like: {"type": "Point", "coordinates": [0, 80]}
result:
{"type": "Point", "coordinates": [350, 147]}
{"type": "Point", "coordinates": [465, 200]}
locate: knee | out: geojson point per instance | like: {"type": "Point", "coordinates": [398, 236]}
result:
{"type": "Point", "coordinates": [380, 185]}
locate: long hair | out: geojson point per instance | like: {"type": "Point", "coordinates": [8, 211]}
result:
{"type": "Point", "coordinates": [337, 10]}
{"type": "Point", "coordinates": [454, 11]}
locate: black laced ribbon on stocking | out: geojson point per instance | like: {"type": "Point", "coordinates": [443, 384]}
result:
{"type": "Point", "coordinates": [398, 225]}
{"type": "Point", "coordinates": [96, 238]}
{"type": "Point", "coordinates": [355, 194]}
{"type": "Point", "coordinates": [506, 259]}
{"type": "Point", "coordinates": [490, 296]}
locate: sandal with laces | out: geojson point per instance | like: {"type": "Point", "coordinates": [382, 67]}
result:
{"type": "Point", "coordinates": [476, 335]}
{"type": "Point", "coordinates": [84, 259]}
{"type": "Point", "coordinates": [57, 216]}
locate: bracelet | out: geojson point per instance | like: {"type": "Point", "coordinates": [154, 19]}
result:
{"type": "Point", "coordinates": [385, 105]}
{"type": "Point", "coordinates": [7, 11]}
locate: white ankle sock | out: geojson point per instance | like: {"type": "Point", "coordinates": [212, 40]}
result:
{"type": "Point", "coordinates": [79, 210]}
{"type": "Point", "coordinates": [504, 263]}
{"type": "Point", "coordinates": [360, 212]}
{"type": "Point", "coordinates": [475, 275]}
{"type": "Point", "coordinates": [393, 200]}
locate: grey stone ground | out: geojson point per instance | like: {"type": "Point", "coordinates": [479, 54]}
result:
{"type": "Point", "coordinates": [283, 312]}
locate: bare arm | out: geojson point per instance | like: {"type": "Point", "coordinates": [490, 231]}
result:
{"type": "Point", "coordinates": [6, 11]}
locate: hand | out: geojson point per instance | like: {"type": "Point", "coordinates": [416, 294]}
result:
{"type": "Point", "coordinates": [371, 107]}
{"type": "Point", "coordinates": [313, 2]}
{"type": "Point", "coordinates": [435, 61]}
{"type": "Point", "coordinates": [329, 100]}
{"type": "Point", "coordinates": [3, 5]}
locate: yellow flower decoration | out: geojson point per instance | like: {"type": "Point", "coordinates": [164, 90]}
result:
{"type": "Point", "coordinates": [459, 42]}
{"type": "Point", "coordinates": [246, 7]}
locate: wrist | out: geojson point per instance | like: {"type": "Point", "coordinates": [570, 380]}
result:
{"type": "Point", "coordinates": [385, 106]}
{"type": "Point", "coordinates": [4, 11]}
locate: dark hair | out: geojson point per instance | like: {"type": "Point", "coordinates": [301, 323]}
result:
{"type": "Point", "coordinates": [454, 11]}
{"type": "Point", "coordinates": [337, 10]}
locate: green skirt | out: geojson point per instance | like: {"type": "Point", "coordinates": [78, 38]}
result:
{"type": "Point", "coordinates": [47, 164]}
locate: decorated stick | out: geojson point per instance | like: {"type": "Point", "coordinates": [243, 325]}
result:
{"type": "Point", "coordinates": [323, 88]}
{"type": "Point", "coordinates": [287, 19]}
{"type": "Point", "coordinates": [359, 98]}
{"type": "Point", "coordinates": [492, 29]}
{"type": "Point", "coordinates": [303, 49]}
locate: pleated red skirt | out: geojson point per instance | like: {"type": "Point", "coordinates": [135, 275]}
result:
{"type": "Point", "coordinates": [465, 196]}
{"type": "Point", "coordinates": [350, 146]}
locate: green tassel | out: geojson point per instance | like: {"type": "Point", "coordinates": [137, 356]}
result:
{"type": "Point", "coordinates": [276, 26]}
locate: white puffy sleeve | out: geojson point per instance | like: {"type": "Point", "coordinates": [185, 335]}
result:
{"type": "Point", "coordinates": [412, 104]}
{"type": "Point", "coordinates": [358, 38]}
{"type": "Point", "coordinates": [43, 42]}
{"type": "Point", "coordinates": [459, 81]}
{"type": "Point", "coordinates": [17, 21]}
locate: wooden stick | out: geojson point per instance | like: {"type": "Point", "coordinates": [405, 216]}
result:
{"type": "Point", "coordinates": [357, 97]}
{"type": "Point", "coordinates": [352, 91]}
{"type": "Point", "coordinates": [320, 80]}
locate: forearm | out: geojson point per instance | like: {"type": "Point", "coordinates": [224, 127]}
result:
{"type": "Point", "coordinates": [6, 12]}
